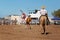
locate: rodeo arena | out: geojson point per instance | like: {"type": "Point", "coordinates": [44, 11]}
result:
{"type": "Point", "coordinates": [14, 27]}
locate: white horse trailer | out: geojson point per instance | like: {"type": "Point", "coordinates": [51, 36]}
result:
{"type": "Point", "coordinates": [35, 18]}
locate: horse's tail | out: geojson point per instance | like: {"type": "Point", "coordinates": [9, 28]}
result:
{"type": "Point", "coordinates": [43, 23]}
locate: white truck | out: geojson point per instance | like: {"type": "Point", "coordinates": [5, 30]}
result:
{"type": "Point", "coordinates": [35, 17]}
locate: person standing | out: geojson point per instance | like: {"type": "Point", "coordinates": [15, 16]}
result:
{"type": "Point", "coordinates": [23, 16]}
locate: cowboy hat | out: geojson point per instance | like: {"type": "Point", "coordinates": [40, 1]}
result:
{"type": "Point", "coordinates": [43, 7]}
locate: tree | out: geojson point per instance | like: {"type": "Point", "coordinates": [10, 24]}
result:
{"type": "Point", "coordinates": [56, 13]}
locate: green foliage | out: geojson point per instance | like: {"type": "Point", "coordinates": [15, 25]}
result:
{"type": "Point", "coordinates": [56, 13]}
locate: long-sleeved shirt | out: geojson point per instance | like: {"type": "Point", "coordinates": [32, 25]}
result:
{"type": "Point", "coordinates": [43, 12]}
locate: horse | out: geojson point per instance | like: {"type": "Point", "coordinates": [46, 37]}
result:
{"type": "Point", "coordinates": [42, 21]}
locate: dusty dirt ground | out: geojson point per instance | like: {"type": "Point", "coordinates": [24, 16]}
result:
{"type": "Point", "coordinates": [20, 32]}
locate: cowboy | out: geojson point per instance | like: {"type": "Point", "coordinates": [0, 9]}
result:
{"type": "Point", "coordinates": [44, 15]}
{"type": "Point", "coordinates": [44, 12]}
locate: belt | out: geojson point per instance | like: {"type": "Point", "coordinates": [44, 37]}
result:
{"type": "Point", "coordinates": [43, 15]}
